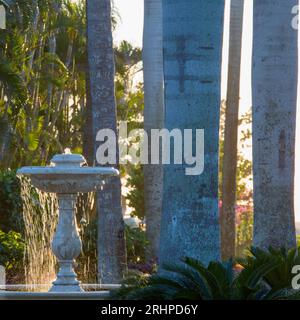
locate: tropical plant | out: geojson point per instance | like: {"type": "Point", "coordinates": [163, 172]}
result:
{"type": "Point", "coordinates": [244, 229]}
{"type": "Point", "coordinates": [40, 73]}
{"type": "Point", "coordinates": [134, 281]}
{"type": "Point", "coordinates": [12, 249]}
{"type": "Point", "coordinates": [135, 244]}
{"type": "Point", "coordinates": [10, 202]}
{"type": "Point", "coordinates": [191, 280]}
{"type": "Point", "coordinates": [284, 260]}
{"type": "Point", "coordinates": [136, 194]}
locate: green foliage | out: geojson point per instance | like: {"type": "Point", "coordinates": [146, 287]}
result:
{"type": "Point", "coordinates": [133, 282]}
{"type": "Point", "coordinates": [244, 232]}
{"type": "Point", "coordinates": [298, 240]}
{"type": "Point", "coordinates": [136, 195]}
{"type": "Point", "coordinates": [283, 260]}
{"type": "Point", "coordinates": [130, 97]}
{"type": "Point", "coordinates": [10, 202]}
{"type": "Point", "coordinates": [136, 243]}
{"type": "Point", "coordinates": [265, 276]}
{"type": "Point", "coordinates": [43, 81]}
{"type": "Point", "coordinates": [244, 166]}
{"type": "Point", "coordinates": [11, 250]}
{"type": "Point", "coordinates": [42, 56]}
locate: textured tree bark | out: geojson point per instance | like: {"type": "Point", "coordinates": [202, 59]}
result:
{"type": "Point", "coordinates": [192, 66]}
{"type": "Point", "coordinates": [153, 119]}
{"type": "Point", "coordinates": [274, 85]}
{"type": "Point", "coordinates": [111, 240]}
{"type": "Point", "coordinates": [88, 135]}
{"type": "Point", "coordinates": [227, 217]}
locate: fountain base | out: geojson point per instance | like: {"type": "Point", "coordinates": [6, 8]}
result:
{"type": "Point", "coordinates": [66, 279]}
{"type": "Point", "coordinates": [66, 288]}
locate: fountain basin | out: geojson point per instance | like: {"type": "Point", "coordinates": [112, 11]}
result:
{"type": "Point", "coordinates": [66, 174]}
{"type": "Point", "coordinates": [67, 180]}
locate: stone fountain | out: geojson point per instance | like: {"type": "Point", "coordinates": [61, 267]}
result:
{"type": "Point", "coordinates": [67, 176]}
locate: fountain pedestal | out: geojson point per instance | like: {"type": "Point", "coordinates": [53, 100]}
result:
{"type": "Point", "coordinates": [66, 245]}
{"type": "Point", "coordinates": [67, 177]}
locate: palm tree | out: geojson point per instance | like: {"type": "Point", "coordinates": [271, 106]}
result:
{"type": "Point", "coordinates": [274, 85]}
{"type": "Point", "coordinates": [153, 118]}
{"type": "Point", "coordinates": [111, 243]}
{"type": "Point", "coordinates": [192, 67]}
{"type": "Point", "coordinates": [227, 217]}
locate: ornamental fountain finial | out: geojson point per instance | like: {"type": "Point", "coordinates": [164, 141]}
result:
{"type": "Point", "coordinates": [67, 151]}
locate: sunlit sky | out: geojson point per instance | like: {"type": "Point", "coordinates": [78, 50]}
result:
{"type": "Point", "coordinates": [130, 28]}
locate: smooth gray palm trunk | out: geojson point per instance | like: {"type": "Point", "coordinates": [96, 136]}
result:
{"type": "Point", "coordinates": [192, 40]}
{"type": "Point", "coordinates": [111, 243]}
{"type": "Point", "coordinates": [274, 85]}
{"type": "Point", "coordinates": [153, 119]}
{"type": "Point", "coordinates": [227, 216]}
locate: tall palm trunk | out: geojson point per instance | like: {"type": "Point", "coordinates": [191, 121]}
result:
{"type": "Point", "coordinates": [274, 85]}
{"type": "Point", "coordinates": [153, 118]}
{"type": "Point", "coordinates": [231, 130]}
{"type": "Point", "coordinates": [111, 243]}
{"type": "Point", "coordinates": [192, 67]}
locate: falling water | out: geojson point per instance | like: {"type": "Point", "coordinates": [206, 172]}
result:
{"type": "Point", "coordinates": [40, 213]}
{"type": "Point", "coordinates": [86, 214]}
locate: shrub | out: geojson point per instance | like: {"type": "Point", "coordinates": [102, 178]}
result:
{"type": "Point", "coordinates": [244, 230]}
{"type": "Point", "coordinates": [191, 280]}
{"type": "Point", "coordinates": [12, 253]}
{"type": "Point", "coordinates": [10, 202]}
{"type": "Point", "coordinates": [283, 261]}
{"type": "Point", "coordinates": [136, 196]}
{"type": "Point", "coordinates": [135, 244]}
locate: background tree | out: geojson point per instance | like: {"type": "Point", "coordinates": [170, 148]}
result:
{"type": "Point", "coordinates": [192, 67]}
{"type": "Point", "coordinates": [111, 241]}
{"type": "Point", "coordinates": [153, 119]}
{"type": "Point", "coordinates": [227, 216]}
{"type": "Point", "coordinates": [274, 87]}
{"type": "Point", "coordinates": [41, 72]}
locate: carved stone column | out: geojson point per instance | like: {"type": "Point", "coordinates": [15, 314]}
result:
{"type": "Point", "coordinates": [66, 245]}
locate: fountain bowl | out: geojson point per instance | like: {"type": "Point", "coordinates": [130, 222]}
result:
{"type": "Point", "coordinates": [66, 174]}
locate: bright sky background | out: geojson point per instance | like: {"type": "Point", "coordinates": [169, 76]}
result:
{"type": "Point", "coordinates": [130, 25]}
{"type": "Point", "coordinates": [131, 29]}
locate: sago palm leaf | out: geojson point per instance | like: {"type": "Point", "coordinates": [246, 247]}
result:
{"type": "Point", "coordinates": [192, 280]}
{"type": "Point", "coordinates": [282, 259]}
